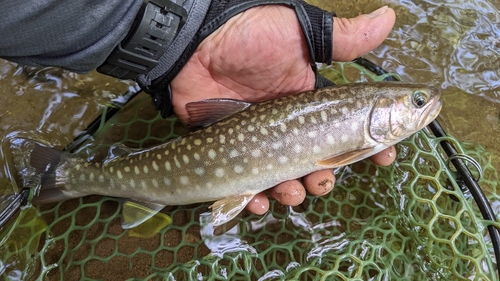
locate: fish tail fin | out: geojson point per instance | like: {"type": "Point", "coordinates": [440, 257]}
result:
{"type": "Point", "coordinates": [45, 160]}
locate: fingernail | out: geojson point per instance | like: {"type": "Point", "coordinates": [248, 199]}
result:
{"type": "Point", "coordinates": [378, 12]}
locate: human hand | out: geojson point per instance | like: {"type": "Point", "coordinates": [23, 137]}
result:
{"type": "Point", "coordinates": [261, 54]}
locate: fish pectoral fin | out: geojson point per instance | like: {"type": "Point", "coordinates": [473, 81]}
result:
{"type": "Point", "coordinates": [206, 112]}
{"type": "Point", "coordinates": [228, 208]}
{"type": "Point", "coordinates": [135, 213]}
{"type": "Point", "coordinates": [346, 158]}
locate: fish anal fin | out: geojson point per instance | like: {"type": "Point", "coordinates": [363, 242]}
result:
{"type": "Point", "coordinates": [206, 112]}
{"type": "Point", "coordinates": [44, 159]}
{"type": "Point", "coordinates": [136, 212]}
{"type": "Point", "coordinates": [224, 210]}
{"type": "Point", "coordinates": [346, 158]}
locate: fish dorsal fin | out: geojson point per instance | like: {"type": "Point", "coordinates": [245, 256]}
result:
{"type": "Point", "coordinates": [206, 112]}
{"type": "Point", "coordinates": [346, 158]}
{"type": "Point", "coordinates": [136, 212]}
{"type": "Point", "coordinates": [226, 209]}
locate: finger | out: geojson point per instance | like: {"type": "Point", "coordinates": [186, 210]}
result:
{"type": "Point", "coordinates": [357, 36]}
{"type": "Point", "coordinates": [290, 193]}
{"type": "Point", "coordinates": [259, 204]}
{"type": "Point", "coordinates": [385, 157]}
{"type": "Point", "coordinates": [319, 183]}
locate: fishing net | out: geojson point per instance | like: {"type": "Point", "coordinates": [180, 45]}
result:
{"type": "Point", "coordinates": [408, 221]}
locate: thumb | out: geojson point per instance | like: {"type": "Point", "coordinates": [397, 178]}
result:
{"type": "Point", "coordinates": [357, 36]}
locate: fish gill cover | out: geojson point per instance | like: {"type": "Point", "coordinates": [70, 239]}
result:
{"type": "Point", "coordinates": [408, 221]}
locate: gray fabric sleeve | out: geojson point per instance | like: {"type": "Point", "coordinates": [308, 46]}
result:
{"type": "Point", "coordinates": [77, 35]}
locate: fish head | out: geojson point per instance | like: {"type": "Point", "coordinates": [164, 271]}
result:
{"type": "Point", "coordinates": [402, 110]}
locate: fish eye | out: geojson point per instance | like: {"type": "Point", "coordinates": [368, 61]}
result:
{"type": "Point", "coordinates": [419, 99]}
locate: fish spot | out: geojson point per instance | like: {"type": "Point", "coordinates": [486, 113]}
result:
{"type": "Point", "coordinates": [147, 154]}
{"type": "Point", "coordinates": [158, 156]}
{"type": "Point", "coordinates": [312, 134]}
{"type": "Point", "coordinates": [263, 131]}
{"type": "Point", "coordinates": [344, 138]}
{"type": "Point", "coordinates": [189, 147]}
{"type": "Point", "coordinates": [277, 145]}
{"type": "Point", "coordinates": [212, 154]}
{"type": "Point", "coordinates": [256, 153]}
{"type": "Point", "coordinates": [167, 181]}
{"type": "Point", "coordinates": [176, 161]}
{"type": "Point", "coordinates": [324, 117]}
{"type": "Point", "coordinates": [262, 117]}
{"type": "Point", "coordinates": [222, 139]}
{"type": "Point", "coordinates": [254, 139]}
{"type": "Point", "coordinates": [245, 160]}
{"type": "Point", "coordinates": [295, 131]}
{"type": "Point", "coordinates": [78, 167]}
{"type": "Point", "coordinates": [111, 169]}
{"type": "Point", "coordinates": [241, 137]}
{"type": "Point", "coordinates": [269, 166]}
{"type": "Point", "coordinates": [274, 111]}
{"type": "Point", "coordinates": [144, 185]}
{"type": "Point", "coordinates": [145, 169]}
{"type": "Point", "coordinates": [200, 171]}
{"type": "Point", "coordinates": [345, 110]}
{"type": "Point", "coordinates": [112, 183]}
{"type": "Point", "coordinates": [234, 153]}
{"type": "Point", "coordinates": [354, 125]}
{"type": "Point", "coordinates": [316, 149]}
{"type": "Point", "coordinates": [155, 183]}
{"type": "Point", "coordinates": [123, 187]}
{"type": "Point", "coordinates": [126, 169]}
{"type": "Point", "coordinates": [210, 140]}
{"type": "Point", "coordinates": [224, 161]}
{"type": "Point", "coordinates": [167, 152]}
{"type": "Point", "coordinates": [232, 141]}
{"type": "Point", "coordinates": [97, 164]}
{"type": "Point", "coordinates": [302, 120]}
{"type": "Point", "coordinates": [283, 127]}
{"type": "Point", "coordinates": [91, 176]}
{"type": "Point", "coordinates": [219, 172]}
{"type": "Point", "coordinates": [297, 148]}
{"type": "Point", "coordinates": [251, 128]}
{"type": "Point", "coordinates": [167, 166]}
{"type": "Point", "coordinates": [209, 185]}
{"type": "Point", "coordinates": [196, 156]}
{"type": "Point", "coordinates": [255, 170]}
{"type": "Point", "coordinates": [82, 177]}
{"type": "Point", "coordinates": [155, 166]}
{"type": "Point", "coordinates": [172, 145]}
{"type": "Point", "coordinates": [238, 169]}
{"type": "Point", "coordinates": [136, 170]}
{"type": "Point", "coordinates": [184, 180]}
{"type": "Point", "coordinates": [282, 159]}
{"type": "Point", "coordinates": [101, 178]}
{"type": "Point", "coordinates": [185, 158]}
{"type": "Point", "coordinates": [132, 183]}
{"type": "Point", "coordinates": [330, 139]}
{"type": "Point", "coordinates": [119, 174]}
{"type": "Point", "coordinates": [230, 130]}
{"type": "Point", "coordinates": [313, 120]}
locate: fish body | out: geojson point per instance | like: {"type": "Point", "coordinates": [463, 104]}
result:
{"type": "Point", "coordinates": [255, 148]}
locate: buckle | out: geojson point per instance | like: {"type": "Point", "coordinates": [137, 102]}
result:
{"type": "Point", "coordinates": [156, 26]}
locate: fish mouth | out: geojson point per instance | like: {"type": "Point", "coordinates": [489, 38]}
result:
{"type": "Point", "coordinates": [431, 112]}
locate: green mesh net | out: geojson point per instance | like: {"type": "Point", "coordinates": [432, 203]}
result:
{"type": "Point", "coordinates": [408, 221]}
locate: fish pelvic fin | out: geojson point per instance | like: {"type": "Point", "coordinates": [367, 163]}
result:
{"type": "Point", "coordinates": [226, 209]}
{"type": "Point", "coordinates": [135, 213]}
{"type": "Point", "coordinates": [45, 160]}
{"type": "Point", "coordinates": [347, 158]}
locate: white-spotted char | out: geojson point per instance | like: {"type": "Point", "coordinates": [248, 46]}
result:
{"type": "Point", "coordinates": [252, 147]}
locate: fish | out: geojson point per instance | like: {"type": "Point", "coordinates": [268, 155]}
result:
{"type": "Point", "coordinates": [241, 149]}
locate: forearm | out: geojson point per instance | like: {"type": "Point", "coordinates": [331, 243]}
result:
{"type": "Point", "coordinates": [76, 35]}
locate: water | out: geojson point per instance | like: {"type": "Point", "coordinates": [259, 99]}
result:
{"type": "Point", "coordinates": [451, 45]}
